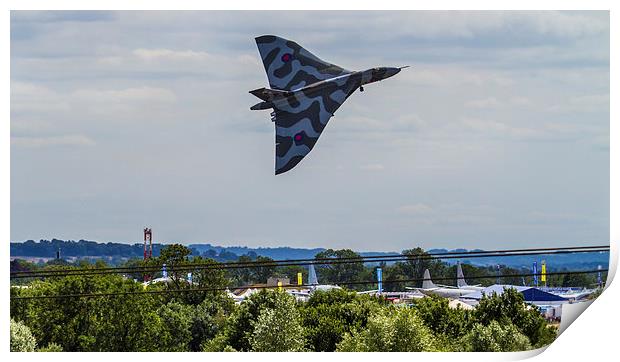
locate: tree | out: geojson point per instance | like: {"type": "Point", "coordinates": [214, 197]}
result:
{"type": "Point", "coordinates": [413, 268]}
{"type": "Point", "coordinates": [495, 337]}
{"type": "Point", "coordinates": [279, 329]}
{"type": "Point", "coordinates": [206, 274]}
{"type": "Point", "coordinates": [172, 256]}
{"type": "Point", "coordinates": [340, 273]}
{"type": "Point", "coordinates": [240, 326]}
{"type": "Point", "coordinates": [22, 339]}
{"type": "Point", "coordinates": [267, 268]}
{"type": "Point", "coordinates": [291, 271]}
{"type": "Point", "coordinates": [447, 323]}
{"type": "Point", "coordinates": [329, 315]}
{"type": "Point", "coordinates": [177, 323]}
{"type": "Point", "coordinates": [241, 276]}
{"type": "Point", "coordinates": [209, 318]}
{"type": "Point", "coordinates": [112, 323]}
{"type": "Point", "coordinates": [52, 347]}
{"type": "Point", "coordinates": [391, 330]}
{"type": "Point", "coordinates": [510, 308]}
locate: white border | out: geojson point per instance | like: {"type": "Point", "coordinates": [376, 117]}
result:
{"type": "Point", "coordinates": [592, 336]}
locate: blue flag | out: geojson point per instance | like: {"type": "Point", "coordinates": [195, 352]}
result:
{"type": "Point", "coordinates": [380, 280]}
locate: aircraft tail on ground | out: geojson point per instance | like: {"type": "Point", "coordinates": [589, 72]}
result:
{"type": "Point", "coordinates": [460, 278]}
{"type": "Point", "coordinates": [428, 283]}
{"type": "Point", "coordinates": [312, 279]}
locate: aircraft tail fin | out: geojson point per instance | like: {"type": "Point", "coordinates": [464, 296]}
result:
{"type": "Point", "coordinates": [460, 278]}
{"type": "Point", "coordinates": [312, 279]}
{"type": "Point", "coordinates": [289, 66]}
{"type": "Point", "coordinates": [427, 283]}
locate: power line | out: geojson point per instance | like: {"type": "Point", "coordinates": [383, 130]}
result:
{"type": "Point", "coordinates": [299, 262]}
{"type": "Point", "coordinates": [156, 292]}
{"type": "Point", "coordinates": [317, 260]}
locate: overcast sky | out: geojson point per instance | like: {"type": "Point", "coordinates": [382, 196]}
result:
{"type": "Point", "coordinates": [497, 136]}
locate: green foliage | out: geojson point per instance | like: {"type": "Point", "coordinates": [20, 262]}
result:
{"type": "Point", "coordinates": [509, 308]}
{"type": "Point", "coordinates": [391, 330]}
{"type": "Point", "coordinates": [278, 329]}
{"type": "Point", "coordinates": [443, 320]}
{"type": "Point", "coordinates": [177, 321]}
{"type": "Point", "coordinates": [412, 268]}
{"type": "Point", "coordinates": [290, 272]}
{"type": "Point", "coordinates": [52, 347]}
{"type": "Point", "coordinates": [209, 317]}
{"type": "Point", "coordinates": [337, 273]}
{"type": "Point", "coordinates": [329, 315]}
{"type": "Point", "coordinates": [22, 339]}
{"type": "Point", "coordinates": [115, 323]}
{"type": "Point", "coordinates": [578, 280]}
{"type": "Point", "coordinates": [495, 337]}
{"type": "Point", "coordinates": [240, 327]}
{"type": "Point", "coordinates": [195, 320]}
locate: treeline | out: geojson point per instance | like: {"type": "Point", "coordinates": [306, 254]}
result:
{"type": "Point", "coordinates": [198, 320]}
{"type": "Point", "coordinates": [356, 275]}
{"type": "Point", "coordinates": [209, 320]}
{"type": "Point", "coordinates": [70, 248]}
{"type": "Point", "coordinates": [118, 253]}
{"type": "Point", "coordinates": [115, 253]}
{"type": "Point", "coordinates": [336, 320]}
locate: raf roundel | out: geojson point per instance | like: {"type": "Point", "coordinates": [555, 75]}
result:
{"type": "Point", "coordinates": [299, 138]}
{"type": "Point", "coordinates": [286, 57]}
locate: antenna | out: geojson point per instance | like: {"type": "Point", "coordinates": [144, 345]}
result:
{"type": "Point", "coordinates": [148, 236]}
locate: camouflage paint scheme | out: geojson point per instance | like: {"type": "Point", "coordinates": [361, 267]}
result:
{"type": "Point", "coordinates": [305, 93]}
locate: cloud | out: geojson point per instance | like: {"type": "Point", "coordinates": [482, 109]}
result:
{"type": "Point", "coordinates": [61, 16]}
{"type": "Point", "coordinates": [53, 141]}
{"type": "Point", "coordinates": [453, 131]}
{"type": "Point", "coordinates": [583, 103]}
{"type": "Point", "coordinates": [415, 209]}
{"type": "Point", "coordinates": [167, 54]}
{"type": "Point", "coordinates": [492, 127]}
{"type": "Point", "coordinates": [130, 95]}
{"type": "Point", "coordinates": [494, 103]}
{"type": "Point", "coordinates": [490, 102]}
{"type": "Point", "coordinates": [372, 167]}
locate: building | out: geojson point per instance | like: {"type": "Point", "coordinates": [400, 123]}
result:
{"type": "Point", "coordinates": [531, 295]}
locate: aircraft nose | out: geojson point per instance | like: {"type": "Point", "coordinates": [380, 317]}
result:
{"type": "Point", "coordinates": [391, 72]}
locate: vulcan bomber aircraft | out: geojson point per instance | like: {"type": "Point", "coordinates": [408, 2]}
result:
{"type": "Point", "coordinates": [304, 94]}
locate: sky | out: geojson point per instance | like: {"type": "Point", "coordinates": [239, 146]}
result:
{"type": "Point", "coordinates": [496, 137]}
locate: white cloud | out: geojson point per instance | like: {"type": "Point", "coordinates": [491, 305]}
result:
{"type": "Point", "coordinates": [167, 54]}
{"type": "Point", "coordinates": [129, 95]}
{"type": "Point", "coordinates": [490, 102]}
{"type": "Point", "coordinates": [415, 209]}
{"type": "Point", "coordinates": [583, 103]}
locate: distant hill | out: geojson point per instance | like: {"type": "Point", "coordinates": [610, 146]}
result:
{"type": "Point", "coordinates": [577, 261]}
{"type": "Point", "coordinates": [116, 252]}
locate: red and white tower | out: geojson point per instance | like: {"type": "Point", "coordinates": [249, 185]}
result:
{"type": "Point", "coordinates": [148, 236]}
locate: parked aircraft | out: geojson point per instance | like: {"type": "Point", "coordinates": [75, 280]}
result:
{"type": "Point", "coordinates": [446, 291]}
{"type": "Point", "coordinates": [461, 283]}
